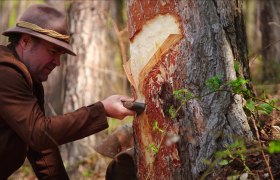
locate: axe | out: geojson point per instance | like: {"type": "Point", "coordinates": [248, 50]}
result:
{"type": "Point", "coordinates": [138, 107]}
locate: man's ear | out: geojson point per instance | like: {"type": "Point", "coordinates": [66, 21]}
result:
{"type": "Point", "coordinates": [25, 41]}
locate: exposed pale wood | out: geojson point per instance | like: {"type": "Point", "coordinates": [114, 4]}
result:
{"type": "Point", "coordinates": [171, 40]}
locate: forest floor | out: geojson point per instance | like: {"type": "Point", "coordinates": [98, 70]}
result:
{"type": "Point", "coordinates": [251, 161]}
{"type": "Point", "coordinates": [254, 161]}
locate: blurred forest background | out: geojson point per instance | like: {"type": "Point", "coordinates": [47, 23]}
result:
{"type": "Point", "coordinates": [99, 37]}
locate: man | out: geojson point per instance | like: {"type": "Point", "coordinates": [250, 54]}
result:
{"type": "Point", "coordinates": [36, 44]}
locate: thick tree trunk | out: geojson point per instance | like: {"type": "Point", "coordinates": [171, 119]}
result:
{"type": "Point", "coordinates": [270, 26]}
{"type": "Point", "coordinates": [209, 38]}
{"type": "Point", "coordinates": [86, 73]}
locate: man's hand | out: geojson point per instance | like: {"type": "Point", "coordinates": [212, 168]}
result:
{"type": "Point", "coordinates": [114, 107]}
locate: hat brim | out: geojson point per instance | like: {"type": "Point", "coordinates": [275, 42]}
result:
{"type": "Point", "coordinates": [64, 45]}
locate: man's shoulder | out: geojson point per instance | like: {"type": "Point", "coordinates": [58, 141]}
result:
{"type": "Point", "coordinates": [8, 60]}
{"type": "Point", "coordinates": [5, 52]}
{"type": "Point", "coordinates": [6, 55]}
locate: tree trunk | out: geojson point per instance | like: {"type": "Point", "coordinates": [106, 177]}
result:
{"type": "Point", "coordinates": [208, 38]}
{"type": "Point", "coordinates": [10, 11]}
{"type": "Point", "coordinates": [54, 86]}
{"type": "Point", "coordinates": [87, 73]}
{"type": "Point", "coordinates": [5, 16]}
{"type": "Point", "coordinates": [270, 26]}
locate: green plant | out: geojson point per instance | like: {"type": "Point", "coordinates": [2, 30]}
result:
{"type": "Point", "coordinates": [274, 147]}
{"type": "Point", "coordinates": [232, 153]}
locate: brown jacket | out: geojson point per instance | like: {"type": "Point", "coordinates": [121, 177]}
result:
{"type": "Point", "coordinates": [24, 129]}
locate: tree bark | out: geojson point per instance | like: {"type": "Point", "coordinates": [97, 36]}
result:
{"type": "Point", "coordinates": [209, 38]}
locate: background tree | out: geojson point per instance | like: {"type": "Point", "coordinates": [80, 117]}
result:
{"type": "Point", "coordinates": [93, 74]}
{"type": "Point", "coordinates": [270, 36]}
{"type": "Point", "coordinates": [9, 12]}
{"type": "Point", "coordinates": [213, 41]}
{"type": "Point", "coordinates": [54, 85]}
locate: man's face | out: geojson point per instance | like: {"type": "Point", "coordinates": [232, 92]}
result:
{"type": "Point", "coordinates": [41, 57]}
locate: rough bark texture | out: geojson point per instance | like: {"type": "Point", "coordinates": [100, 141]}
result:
{"type": "Point", "coordinates": [270, 26]}
{"type": "Point", "coordinates": [213, 38]}
{"type": "Point", "coordinates": [86, 73]}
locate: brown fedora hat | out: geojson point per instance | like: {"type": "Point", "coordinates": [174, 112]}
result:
{"type": "Point", "coordinates": [44, 22]}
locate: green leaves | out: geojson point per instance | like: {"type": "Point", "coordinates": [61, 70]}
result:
{"type": "Point", "coordinates": [250, 105]}
{"type": "Point", "coordinates": [172, 112]}
{"type": "Point", "coordinates": [214, 83]}
{"type": "Point", "coordinates": [156, 128]}
{"type": "Point", "coordinates": [265, 108]}
{"type": "Point", "coordinates": [238, 86]}
{"type": "Point", "coordinates": [224, 162]}
{"type": "Point", "coordinates": [237, 67]}
{"type": "Point", "coordinates": [183, 95]}
{"type": "Point", "coordinates": [153, 148]}
{"type": "Point", "coordinates": [274, 147]}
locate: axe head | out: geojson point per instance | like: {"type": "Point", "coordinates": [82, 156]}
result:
{"type": "Point", "coordinates": [120, 140]}
{"type": "Point", "coordinates": [138, 107]}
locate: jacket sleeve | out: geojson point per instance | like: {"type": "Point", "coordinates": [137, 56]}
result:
{"type": "Point", "coordinates": [47, 164]}
{"type": "Point", "coordinates": [20, 109]}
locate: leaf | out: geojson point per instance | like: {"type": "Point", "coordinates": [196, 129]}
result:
{"type": "Point", "coordinates": [273, 101]}
{"type": "Point", "coordinates": [250, 105]}
{"type": "Point", "coordinates": [179, 94]}
{"type": "Point", "coordinates": [274, 147]}
{"type": "Point", "coordinates": [223, 162]}
{"type": "Point", "coordinates": [236, 66]}
{"type": "Point", "coordinates": [265, 108]}
{"type": "Point", "coordinates": [238, 85]}
{"type": "Point", "coordinates": [153, 148]}
{"type": "Point", "coordinates": [156, 128]}
{"type": "Point", "coordinates": [214, 83]}
{"type": "Point", "coordinates": [189, 95]}
{"type": "Point", "coordinates": [222, 154]}
{"type": "Point", "coordinates": [172, 112]}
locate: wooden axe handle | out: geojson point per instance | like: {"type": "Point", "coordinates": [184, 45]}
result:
{"type": "Point", "coordinates": [138, 107]}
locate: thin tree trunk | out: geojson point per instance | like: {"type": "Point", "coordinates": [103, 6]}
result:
{"type": "Point", "coordinates": [6, 7]}
{"type": "Point", "coordinates": [213, 39]}
{"type": "Point", "coordinates": [54, 86]}
{"type": "Point", "coordinates": [270, 27]}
